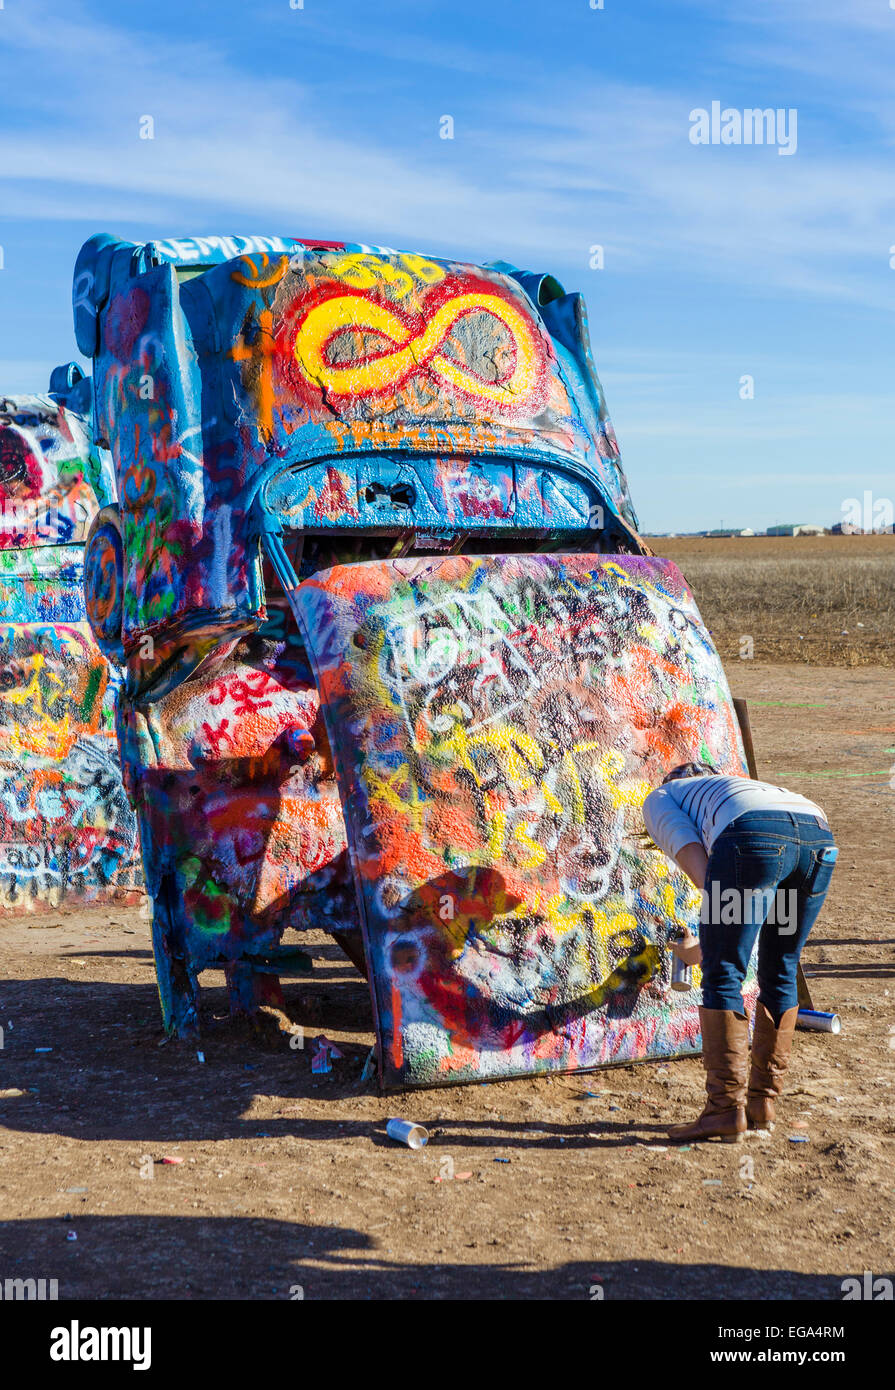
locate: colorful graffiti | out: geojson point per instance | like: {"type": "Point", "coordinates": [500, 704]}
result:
{"type": "Point", "coordinates": [241, 825]}
{"type": "Point", "coordinates": [67, 832]}
{"type": "Point", "coordinates": [312, 443]}
{"type": "Point", "coordinates": [329, 389]}
{"type": "Point", "coordinates": [256, 390]}
{"type": "Point", "coordinates": [497, 724]}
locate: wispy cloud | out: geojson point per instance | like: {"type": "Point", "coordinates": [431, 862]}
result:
{"type": "Point", "coordinates": [226, 143]}
{"type": "Point", "coordinates": [611, 163]}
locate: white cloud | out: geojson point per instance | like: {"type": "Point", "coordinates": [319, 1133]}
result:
{"type": "Point", "coordinates": [225, 141]}
{"type": "Point", "coordinates": [530, 178]}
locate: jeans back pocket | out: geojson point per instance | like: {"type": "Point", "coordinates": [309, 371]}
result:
{"type": "Point", "coordinates": [819, 874]}
{"type": "Point", "coordinates": [758, 865]}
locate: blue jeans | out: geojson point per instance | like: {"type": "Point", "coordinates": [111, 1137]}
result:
{"type": "Point", "coordinates": [767, 877]}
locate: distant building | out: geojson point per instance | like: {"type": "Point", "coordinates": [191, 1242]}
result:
{"type": "Point", "coordinates": [801, 528]}
{"type": "Point", "coordinates": [847, 528]}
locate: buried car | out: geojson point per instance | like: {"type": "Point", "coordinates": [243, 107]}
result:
{"type": "Point", "coordinates": [68, 835]}
{"type": "Point", "coordinates": [396, 662]}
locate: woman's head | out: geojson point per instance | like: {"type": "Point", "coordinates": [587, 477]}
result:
{"type": "Point", "coordinates": [690, 770]}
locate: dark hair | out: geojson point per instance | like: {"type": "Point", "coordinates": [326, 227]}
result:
{"type": "Point", "coordinates": [690, 770]}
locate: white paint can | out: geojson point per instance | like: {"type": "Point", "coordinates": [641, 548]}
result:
{"type": "Point", "coordinates": [819, 1022]}
{"type": "Point", "coordinates": [681, 974]}
{"type": "Point", "coordinates": [406, 1132]}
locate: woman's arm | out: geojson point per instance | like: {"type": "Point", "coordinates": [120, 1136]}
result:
{"type": "Point", "coordinates": [677, 836]}
{"type": "Point", "coordinates": [694, 861]}
{"type": "Point", "coordinates": [674, 832]}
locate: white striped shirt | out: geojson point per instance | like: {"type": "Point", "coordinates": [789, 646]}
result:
{"type": "Point", "coordinates": [698, 808]}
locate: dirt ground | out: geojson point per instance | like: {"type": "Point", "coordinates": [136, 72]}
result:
{"type": "Point", "coordinates": [561, 1189]}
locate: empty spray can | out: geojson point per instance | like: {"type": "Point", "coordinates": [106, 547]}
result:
{"type": "Point", "coordinates": [406, 1132]}
{"type": "Point", "coordinates": [681, 974]}
{"type": "Point", "coordinates": [818, 1021]}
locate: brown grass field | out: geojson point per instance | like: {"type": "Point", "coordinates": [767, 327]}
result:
{"type": "Point", "coordinates": [545, 1189]}
{"type": "Point", "coordinates": [816, 599]}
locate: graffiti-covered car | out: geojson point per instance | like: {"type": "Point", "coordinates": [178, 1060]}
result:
{"type": "Point", "coordinates": [67, 831]}
{"type": "Point", "coordinates": [396, 661]}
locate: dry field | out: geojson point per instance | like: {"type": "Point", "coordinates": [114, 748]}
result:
{"type": "Point", "coordinates": [820, 600]}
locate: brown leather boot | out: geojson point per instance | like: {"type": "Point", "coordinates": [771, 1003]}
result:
{"type": "Point", "coordinates": [725, 1056]}
{"type": "Point", "coordinates": [770, 1057]}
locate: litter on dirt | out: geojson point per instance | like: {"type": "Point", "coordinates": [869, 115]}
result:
{"type": "Point", "coordinates": [325, 1053]}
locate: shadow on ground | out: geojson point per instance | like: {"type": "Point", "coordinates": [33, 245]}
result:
{"type": "Point", "coordinates": [111, 1074]}
{"type": "Point", "coordinates": [135, 1257]}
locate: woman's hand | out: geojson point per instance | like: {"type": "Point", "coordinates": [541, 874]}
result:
{"type": "Point", "coordinates": [687, 950]}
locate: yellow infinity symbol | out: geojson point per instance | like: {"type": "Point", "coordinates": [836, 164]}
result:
{"type": "Point", "coordinates": [343, 313]}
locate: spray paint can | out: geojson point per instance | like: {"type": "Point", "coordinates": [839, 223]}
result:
{"type": "Point", "coordinates": [818, 1021]}
{"type": "Point", "coordinates": [681, 974]}
{"type": "Point", "coordinates": [406, 1132]}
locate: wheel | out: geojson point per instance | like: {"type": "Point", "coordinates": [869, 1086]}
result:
{"type": "Point", "coordinates": [104, 582]}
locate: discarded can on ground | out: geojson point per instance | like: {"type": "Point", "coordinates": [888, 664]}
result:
{"type": "Point", "coordinates": [818, 1021]}
{"type": "Point", "coordinates": [406, 1132]}
{"type": "Point", "coordinates": [681, 974]}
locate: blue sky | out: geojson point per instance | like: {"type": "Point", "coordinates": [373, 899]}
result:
{"type": "Point", "coordinates": [571, 128]}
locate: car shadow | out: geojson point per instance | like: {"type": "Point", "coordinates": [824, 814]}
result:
{"type": "Point", "coordinates": [90, 1061]}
